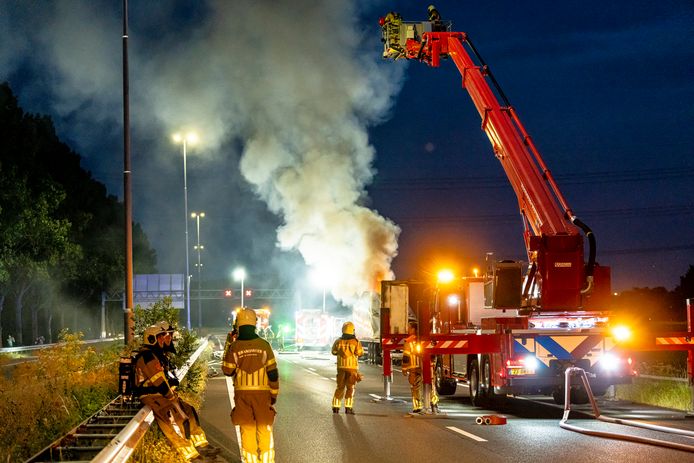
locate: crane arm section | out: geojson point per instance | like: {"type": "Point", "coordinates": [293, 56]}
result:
{"type": "Point", "coordinates": [552, 233]}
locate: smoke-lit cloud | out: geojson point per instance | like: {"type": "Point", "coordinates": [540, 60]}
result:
{"type": "Point", "coordinates": [287, 82]}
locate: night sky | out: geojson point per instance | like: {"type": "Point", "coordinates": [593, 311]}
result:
{"type": "Point", "coordinates": [296, 109]}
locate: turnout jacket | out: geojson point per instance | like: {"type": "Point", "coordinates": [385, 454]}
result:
{"type": "Point", "coordinates": [348, 349]}
{"type": "Point", "coordinates": [252, 364]}
{"type": "Point", "coordinates": [411, 355]}
{"type": "Point", "coordinates": [150, 376]}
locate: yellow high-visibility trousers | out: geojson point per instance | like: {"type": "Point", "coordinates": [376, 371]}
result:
{"type": "Point", "coordinates": [255, 416]}
{"type": "Point", "coordinates": [346, 383]}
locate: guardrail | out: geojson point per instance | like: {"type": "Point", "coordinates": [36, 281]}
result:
{"type": "Point", "coordinates": [10, 350]}
{"type": "Point", "coordinates": [97, 431]}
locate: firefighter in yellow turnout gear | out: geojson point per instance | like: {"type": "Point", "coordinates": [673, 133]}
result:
{"type": "Point", "coordinates": [412, 368]}
{"type": "Point", "coordinates": [197, 435]}
{"type": "Point", "coordinates": [251, 362]}
{"type": "Point", "coordinates": [153, 389]}
{"type": "Point", "coordinates": [348, 349]}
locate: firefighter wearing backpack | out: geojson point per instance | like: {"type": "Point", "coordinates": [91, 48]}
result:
{"type": "Point", "coordinates": [153, 389]}
{"type": "Point", "coordinates": [250, 361]}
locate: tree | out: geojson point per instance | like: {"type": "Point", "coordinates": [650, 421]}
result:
{"type": "Point", "coordinates": [61, 233]}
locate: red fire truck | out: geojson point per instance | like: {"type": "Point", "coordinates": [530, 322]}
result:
{"type": "Point", "coordinates": [516, 329]}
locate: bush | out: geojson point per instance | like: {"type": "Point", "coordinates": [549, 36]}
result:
{"type": "Point", "coordinates": [47, 398]}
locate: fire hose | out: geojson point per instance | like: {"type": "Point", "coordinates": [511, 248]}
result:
{"type": "Point", "coordinates": [596, 412]}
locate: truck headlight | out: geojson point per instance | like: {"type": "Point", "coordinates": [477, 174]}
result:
{"type": "Point", "coordinates": [621, 333]}
{"type": "Point", "coordinates": [609, 362]}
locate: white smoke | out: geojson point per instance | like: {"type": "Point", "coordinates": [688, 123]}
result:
{"type": "Point", "coordinates": [296, 82]}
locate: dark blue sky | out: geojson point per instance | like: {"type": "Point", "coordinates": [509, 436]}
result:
{"type": "Point", "coordinates": [604, 88]}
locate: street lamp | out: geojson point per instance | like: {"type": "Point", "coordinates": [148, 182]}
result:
{"type": "Point", "coordinates": [191, 138]}
{"type": "Point", "coordinates": [322, 280]}
{"type": "Point", "coordinates": [197, 216]}
{"type": "Point", "coordinates": [240, 275]}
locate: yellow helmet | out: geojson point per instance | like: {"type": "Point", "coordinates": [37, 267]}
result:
{"type": "Point", "coordinates": [149, 337]}
{"type": "Point", "coordinates": [348, 328]}
{"type": "Point", "coordinates": [246, 317]}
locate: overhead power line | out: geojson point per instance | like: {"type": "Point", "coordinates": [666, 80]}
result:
{"type": "Point", "coordinates": [500, 181]}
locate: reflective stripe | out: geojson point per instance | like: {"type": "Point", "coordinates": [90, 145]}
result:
{"type": "Point", "coordinates": [229, 365]}
{"type": "Point", "coordinates": [270, 362]}
{"type": "Point", "coordinates": [151, 381]}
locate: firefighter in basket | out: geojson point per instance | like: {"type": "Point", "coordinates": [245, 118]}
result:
{"type": "Point", "coordinates": [412, 368]}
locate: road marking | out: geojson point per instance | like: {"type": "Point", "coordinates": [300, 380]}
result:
{"type": "Point", "coordinates": [466, 434]}
{"type": "Point", "coordinates": [312, 369]}
{"type": "Point", "coordinates": [230, 390]}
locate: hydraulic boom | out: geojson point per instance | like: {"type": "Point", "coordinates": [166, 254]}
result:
{"type": "Point", "coordinates": [557, 278]}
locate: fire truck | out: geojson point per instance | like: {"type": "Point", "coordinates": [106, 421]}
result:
{"type": "Point", "coordinates": [517, 328]}
{"type": "Point", "coordinates": [316, 329]}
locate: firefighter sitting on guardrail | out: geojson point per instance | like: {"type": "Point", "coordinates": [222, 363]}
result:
{"type": "Point", "coordinates": [197, 435]}
{"type": "Point", "coordinates": [412, 368]}
{"type": "Point", "coordinates": [154, 390]}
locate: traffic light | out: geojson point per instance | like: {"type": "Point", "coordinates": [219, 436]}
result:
{"type": "Point", "coordinates": [248, 293]}
{"type": "Point", "coordinates": [228, 293]}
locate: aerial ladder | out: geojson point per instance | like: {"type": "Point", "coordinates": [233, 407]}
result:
{"type": "Point", "coordinates": [557, 278]}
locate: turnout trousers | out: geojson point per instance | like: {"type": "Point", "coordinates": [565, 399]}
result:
{"type": "Point", "coordinates": [171, 423]}
{"type": "Point", "coordinates": [346, 381]}
{"type": "Point", "coordinates": [254, 415]}
{"type": "Point", "coordinates": [414, 377]}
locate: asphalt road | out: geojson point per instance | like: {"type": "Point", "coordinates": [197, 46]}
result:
{"type": "Point", "coordinates": [382, 431]}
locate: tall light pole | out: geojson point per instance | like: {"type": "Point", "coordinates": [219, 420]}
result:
{"type": "Point", "coordinates": [321, 280]}
{"type": "Point", "coordinates": [240, 275]}
{"type": "Point", "coordinates": [197, 216]}
{"type": "Point", "coordinates": [128, 316]}
{"type": "Point", "coordinates": [185, 139]}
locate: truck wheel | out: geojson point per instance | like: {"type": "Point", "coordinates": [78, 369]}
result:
{"type": "Point", "coordinates": [486, 389]}
{"type": "Point", "coordinates": [474, 382]}
{"type": "Point", "coordinates": [444, 386]}
{"type": "Point", "coordinates": [579, 395]}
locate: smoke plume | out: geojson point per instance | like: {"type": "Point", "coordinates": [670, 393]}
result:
{"type": "Point", "coordinates": [293, 83]}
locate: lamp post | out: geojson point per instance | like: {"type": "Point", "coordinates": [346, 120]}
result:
{"type": "Point", "coordinates": [321, 280]}
{"type": "Point", "coordinates": [197, 216]}
{"type": "Point", "coordinates": [240, 275]}
{"type": "Point", "coordinates": [184, 140]}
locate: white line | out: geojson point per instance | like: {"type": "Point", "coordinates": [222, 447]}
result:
{"type": "Point", "coordinates": [377, 397]}
{"type": "Point", "coordinates": [312, 369]}
{"type": "Point", "coordinates": [230, 390]}
{"type": "Point", "coordinates": [466, 434]}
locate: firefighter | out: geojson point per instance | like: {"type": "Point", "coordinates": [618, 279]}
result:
{"type": "Point", "coordinates": [412, 368]}
{"type": "Point", "coordinates": [348, 349]}
{"type": "Point", "coordinates": [251, 362]}
{"type": "Point", "coordinates": [197, 435]}
{"type": "Point", "coordinates": [154, 390]}
{"type": "Point", "coordinates": [435, 18]}
{"type": "Point", "coordinates": [391, 35]}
